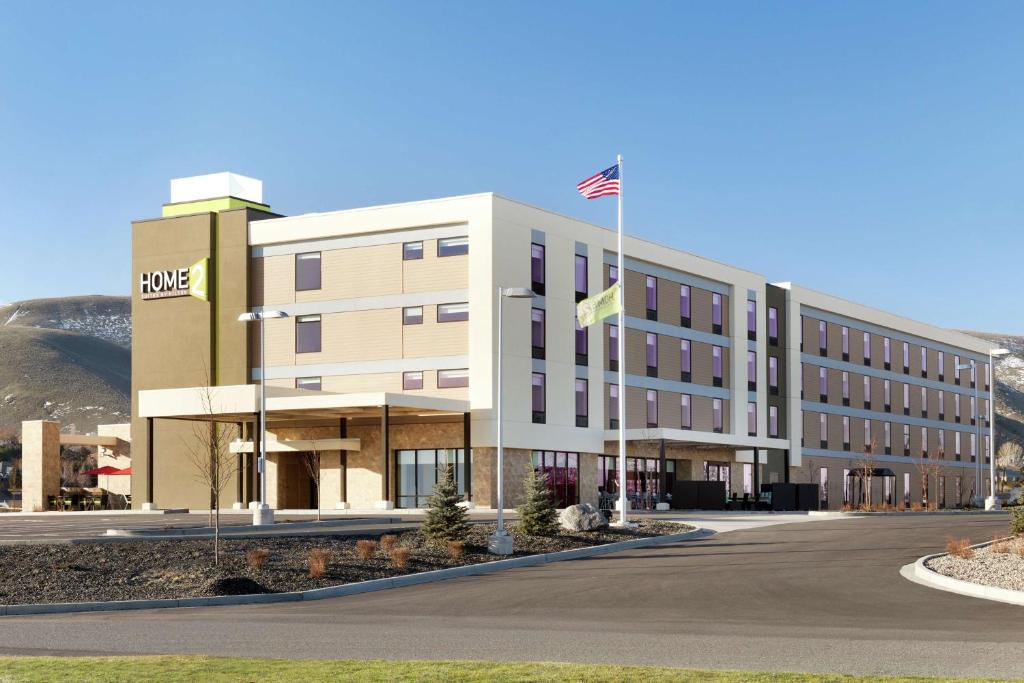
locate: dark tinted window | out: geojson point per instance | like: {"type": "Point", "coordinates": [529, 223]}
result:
{"type": "Point", "coordinates": [307, 271]}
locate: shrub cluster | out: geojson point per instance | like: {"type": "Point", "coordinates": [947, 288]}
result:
{"type": "Point", "coordinates": [1017, 521]}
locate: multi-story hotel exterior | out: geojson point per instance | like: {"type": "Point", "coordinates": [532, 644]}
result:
{"type": "Point", "coordinates": [386, 361]}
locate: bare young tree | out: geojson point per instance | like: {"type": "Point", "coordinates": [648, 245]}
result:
{"type": "Point", "coordinates": [211, 457]}
{"type": "Point", "coordinates": [865, 464]}
{"type": "Point", "coordinates": [1010, 456]}
{"type": "Point", "coordinates": [312, 460]}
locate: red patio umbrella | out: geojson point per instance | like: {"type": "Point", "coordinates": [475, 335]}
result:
{"type": "Point", "coordinates": [126, 470]}
{"type": "Point", "coordinates": [106, 469]}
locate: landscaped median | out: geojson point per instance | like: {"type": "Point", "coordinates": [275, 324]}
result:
{"type": "Point", "coordinates": [214, 669]}
{"type": "Point", "coordinates": [41, 579]}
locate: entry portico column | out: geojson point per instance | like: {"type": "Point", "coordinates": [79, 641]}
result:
{"type": "Point", "coordinates": [385, 447]}
{"type": "Point", "coordinates": [40, 464]}
{"type": "Point", "coordinates": [149, 503]}
{"type": "Point", "coordinates": [343, 466]}
{"type": "Point", "coordinates": [467, 460]}
{"type": "Point", "coordinates": [662, 474]}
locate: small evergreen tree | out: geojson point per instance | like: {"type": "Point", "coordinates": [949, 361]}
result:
{"type": "Point", "coordinates": [537, 514]}
{"type": "Point", "coordinates": [446, 520]}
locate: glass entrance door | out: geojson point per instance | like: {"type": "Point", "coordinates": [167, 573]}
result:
{"type": "Point", "coordinates": [417, 472]}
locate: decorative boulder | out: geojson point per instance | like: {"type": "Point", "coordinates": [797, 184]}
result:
{"type": "Point", "coordinates": [583, 517]}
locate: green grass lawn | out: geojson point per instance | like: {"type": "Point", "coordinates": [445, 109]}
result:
{"type": "Point", "coordinates": [81, 669]}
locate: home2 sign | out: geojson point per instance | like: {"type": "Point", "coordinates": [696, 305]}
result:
{"type": "Point", "coordinates": [164, 284]}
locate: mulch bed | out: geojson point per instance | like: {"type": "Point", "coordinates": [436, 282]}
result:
{"type": "Point", "coordinates": [145, 570]}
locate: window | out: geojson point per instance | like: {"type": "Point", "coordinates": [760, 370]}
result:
{"type": "Point", "coordinates": [924, 402]}
{"type": "Point", "coordinates": [956, 370]}
{"type": "Point", "coordinates": [822, 338]}
{"type": "Point", "coordinates": [537, 268]}
{"type": "Point", "coordinates": [751, 419]}
{"type": "Point", "coordinates": [868, 446]}
{"type": "Point", "coordinates": [412, 315]}
{"type": "Point", "coordinates": [867, 348]}
{"type": "Point", "coordinates": [412, 251]}
{"type": "Point", "coordinates": [867, 393]}
{"type": "Point", "coordinates": [906, 489]}
{"type": "Point", "coordinates": [412, 380]}
{"type": "Point", "coordinates": [846, 432]}
{"type": "Point", "coordinates": [537, 332]}
{"type": "Point", "coordinates": [823, 429]}
{"type": "Point", "coordinates": [582, 343]}
{"type": "Point", "coordinates": [651, 297]}
{"type": "Point", "coordinates": [924, 362]}
{"type": "Point", "coordinates": [307, 271]}
{"type": "Point", "coordinates": [823, 487]}
{"type": "Point", "coordinates": [582, 399]}
{"type": "Point", "coordinates": [716, 313]}
{"type": "Point", "coordinates": [974, 373]}
{"type": "Point", "coordinates": [307, 334]}
{"type": "Point", "coordinates": [652, 408]}
{"type": "Point", "coordinates": [846, 342]}
{"type": "Point", "coordinates": [924, 442]}
{"type": "Point", "coordinates": [716, 365]}
{"type": "Point", "coordinates": [984, 413]}
{"type": "Point", "coordinates": [956, 445]}
{"type": "Point", "coordinates": [942, 366]}
{"type": "Point", "coordinates": [452, 379]}
{"type": "Point", "coordinates": [956, 407]}
{"type": "Point", "coordinates": [748, 478]}
{"type": "Point", "coordinates": [942, 443]}
{"type": "Point", "coordinates": [613, 347]}
{"type": "Point", "coordinates": [988, 376]}
{"type": "Point", "coordinates": [773, 326]}
{"type": "Point", "coordinates": [453, 246]}
{"type": "Point", "coordinates": [846, 486]}
{"type": "Point", "coordinates": [685, 367]}
{"type": "Point", "coordinates": [563, 475]}
{"type": "Point", "coordinates": [823, 385]}
{"type": "Point", "coordinates": [751, 319]}
{"type": "Point", "coordinates": [974, 412]}
{"type": "Point", "coordinates": [886, 353]}
{"type": "Point", "coordinates": [751, 371]}
{"type": "Point", "coordinates": [906, 439]}
{"type": "Point", "coordinates": [773, 375]}
{"type": "Point", "coordinates": [652, 354]}
{"type": "Point", "coordinates": [906, 399]}
{"type": "Point", "coordinates": [613, 406]}
{"type": "Point", "coordinates": [643, 478]}
{"type": "Point", "coordinates": [685, 414]}
{"type": "Point", "coordinates": [537, 397]}
{"type": "Point", "coordinates": [418, 471]}
{"type": "Point", "coordinates": [308, 383]}
{"type": "Point", "coordinates": [773, 420]}
{"type": "Point", "coordinates": [974, 446]}
{"type": "Point", "coordinates": [613, 275]}
{"type": "Point", "coordinates": [684, 305]}
{"type": "Point", "coordinates": [888, 438]}
{"type": "Point", "coordinates": [942, 404]}
{"type": "Point", "coordinates": [581, 277]}
{"type": "Point", "coordinates": [906, 358]}
{"type": "Point", "coordinates": [887, 392]}
{"type": "Point", "coordinates": [452, 313]}
{"type": "Point", "coordinates": [716, 415]}
{"type": "Point", "coordinates": [846, 388]}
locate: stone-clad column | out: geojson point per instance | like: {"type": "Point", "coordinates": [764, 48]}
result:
{"type": "Point", "coordinates": [40, 463]}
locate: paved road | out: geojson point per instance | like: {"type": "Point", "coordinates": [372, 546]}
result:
{"type": "Point", "coordinates": [816, 596]}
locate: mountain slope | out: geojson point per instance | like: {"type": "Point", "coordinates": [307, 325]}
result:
{"type": "Point", "coordinates": [104, 317]}
{"type": "Point", "coordinates": [1009, 371]}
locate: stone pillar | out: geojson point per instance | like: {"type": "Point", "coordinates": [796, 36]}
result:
{"type": "Point", "coordinates": [273, 482]}
{"type": "Point", "coordinates": [40, 463]}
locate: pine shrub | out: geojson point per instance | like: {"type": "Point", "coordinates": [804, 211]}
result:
{"type": "Point", "coordinates": [537, 514]}
{"type": "Point", "coordinates": [1017, 521]}
{"type": "Point", "coordinates": [446, 520]}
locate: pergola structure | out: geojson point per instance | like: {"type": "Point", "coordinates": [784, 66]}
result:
{"type": "Point", "coordinates": [298, 408]}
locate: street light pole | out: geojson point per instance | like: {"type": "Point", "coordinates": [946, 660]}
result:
{"type": "Point", "coordinates": [500, 543]}
{"type": "Point", "coordinates": [992, 503]}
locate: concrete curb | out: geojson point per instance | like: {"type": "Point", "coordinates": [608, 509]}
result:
{"type": "Point", "coordinates": [919, 573]}
{"type": "Point", "coordinates": [358, 587]}
{"type": "Point", "coordinates": [248, 530]}
{"type": "Point", "coordinates": [858, 513]}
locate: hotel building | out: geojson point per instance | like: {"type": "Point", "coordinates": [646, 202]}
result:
{"type": "Point", "coordinates": [386, 362]}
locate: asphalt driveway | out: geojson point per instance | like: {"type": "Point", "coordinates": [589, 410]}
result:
{"type": "Point", "coordinates": [815, 596]}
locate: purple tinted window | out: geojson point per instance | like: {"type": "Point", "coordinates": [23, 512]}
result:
{"type": "Point", "coordinates": [684, 355]}
{"type": "Point", "coordinates": [537, 328]}
{"type": "Point", "coordinates": [581, 274]}
{"type": "Point", "coordinates": [846, 385]}
{"type": "Point", "coordinates": [453, 246]}
{"type": "Point", "coordinates": [307, 271]}
{"type": "Point", "coordinates": [867, 345]}
{"type": "Point", "coordinates": [752, 419]}
{"type": "Point", "coordinates": [581, 398]}
{"type": "Point", "coordinates": [613, 342]}
{"type": "Point", "coordinates": [846, 340]}
{"type": "Point", "coordinates": [867, 389]}
{"type": "Point", "coordinates": [906, 355]}
{"type": "Point", "coordinates": [716, 362]}
{"type": "Point", "coordinates": [581, 339]}
{"type": "Point", "coordinates": [716, 414]}
{"type": "Point", "coordinates": [773, 323]}
{"type": "Point", "coordinates": [684, 404]}
{"type": "Point", "coordinates": [751, 316]}
{"type": "Point", "coordinates": [684, 301]}
{"type": "Point", "coordinates": [887, 354]}
{"type": "Point", "coordinates": [412, 380]}
{"type": "Point", "coordinates": [537, 263]}
{"type": "Point", "coordinates": [773, 421]}
{"type": "Point", "coordinates": [451, 313]}
{"type": "Point", "coordinates": [308, 383]}
{"type": "Point", "coordinates": [652, 407]}
{"type": "Point", "coordinates": [451, 379]}
{"type": "Point", "coordinates": [538, 392]}
{"type": "Point", "coordinates": [773, 372]}
{"type": "Point", "coordinates": [823, 381]}
{"type": "Point", "coordinates": [751, 366]}
{"type": "Point", "coordinates": [652, 350]}
{"type": "Point", "coordinates": [846, 429]}
{"type": "Point", "coordinates": [613, 275]}
{"type": "Point", "coordinates": [307, 334]}
{"type": "Point", "coordinates": [613, 401]}
{"type": "Point", "coordinates": [906, 395]}
{"type": "Point", "coordinates": [822, 336]}
{"type": "Point", "coordinates": [716, 309]}
{"type": "Point", "coordinates": [412, 251]}
{"type": "Point", "coordinates": [652, 293]}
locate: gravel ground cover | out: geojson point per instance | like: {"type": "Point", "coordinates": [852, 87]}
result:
{"type": "Point", "coordinates": [997, 564]}
{"type": "Point", "coordinates": [184, 567]}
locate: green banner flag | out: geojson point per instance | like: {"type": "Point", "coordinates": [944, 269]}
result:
{"type": "Point", "coordinates": [599, 307]}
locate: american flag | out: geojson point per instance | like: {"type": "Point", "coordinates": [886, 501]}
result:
{"type": "Point", "coordinates": [601, 184]}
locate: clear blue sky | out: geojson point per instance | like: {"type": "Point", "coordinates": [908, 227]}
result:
{"type": "Point", "coordinates": [869, 149]}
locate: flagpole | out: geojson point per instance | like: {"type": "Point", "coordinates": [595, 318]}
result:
{"type": "Point", "coordinates": [623, 502]}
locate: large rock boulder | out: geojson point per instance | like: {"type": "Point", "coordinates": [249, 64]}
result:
{"type": "Point", "coordinates": [584, 517]}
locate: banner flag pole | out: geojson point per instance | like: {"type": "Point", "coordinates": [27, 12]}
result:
{"type": "Point", "coordinates": [623, 501]}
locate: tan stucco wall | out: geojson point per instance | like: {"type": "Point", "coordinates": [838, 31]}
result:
{"type": "Point", "coordinates": [40, 463]}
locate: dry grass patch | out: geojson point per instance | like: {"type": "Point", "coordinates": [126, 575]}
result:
{"type": "Point", "coordinates": [456, 549]}
{"type": "Point", "coordinates": [959, 547]}
{"type": "Point", "coordinates": [366, 548]}
{"type": "Point", "coordinates": [319, 558]}
{"type": "Point", "coordinates": [257, 558]}
{"type": "Point", "coordinates": [400, 557]}
{"type": "Point", "coordinates": [387, 542]}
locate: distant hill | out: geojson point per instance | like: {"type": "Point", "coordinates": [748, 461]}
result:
{"type": "Point", "coordinates": [66, 359]}
{"type": "Point", "coordinates": [1009, 385]}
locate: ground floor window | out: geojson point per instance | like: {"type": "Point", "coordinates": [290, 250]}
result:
{"type": "Point", "coordinates": [643, 480]}
{"type": "Point", "coordinates": [823, 483]}
{"type": "Point", "coordinates": [906, 489]}
{"type": "Point", "coordinates": [418, 471]}
{"type": "Point", "coordinates": [959, 491]}
{"type": "Point", "coordinates": [942, 491]}
{"type": "Point", "coordinates": [846, 486]}
{"type": "Point", "coordinates": [563, 470]}
{"type": "Point", "coordinates": [888, 485]}
{"type": "Point", "coordinates": [748, 478]}
{"type": "Point", "coordinates": [718, 471]}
